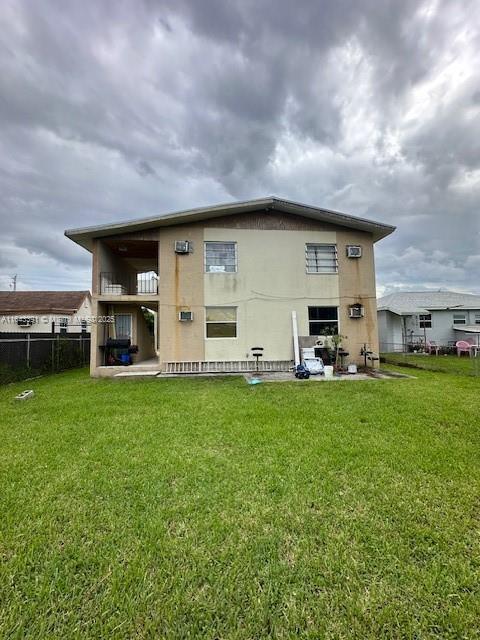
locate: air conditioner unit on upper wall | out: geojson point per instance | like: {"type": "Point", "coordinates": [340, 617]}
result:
{"type": "Point", "coordinates": [356, 311]}
{"type": "Point", "coordinates": [185, 316]}
{"type": "Point", "coordinates": [354, 251]}
{"type": "Point", "coordinates": [182, 246]}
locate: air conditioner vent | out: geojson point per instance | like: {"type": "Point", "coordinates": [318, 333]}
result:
{"type": "Point", "coordinates": [354, 251]}
{"type": "Point", "coordinates": [185, 316]}
{"type": "Point", "coordinates": [182, 246]}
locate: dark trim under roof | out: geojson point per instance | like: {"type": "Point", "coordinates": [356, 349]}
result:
{"type": "Point", "coordinates": [84, 236]}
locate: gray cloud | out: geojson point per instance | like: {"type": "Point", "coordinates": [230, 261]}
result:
{"type": "Point", "coordinates": [116, 110]}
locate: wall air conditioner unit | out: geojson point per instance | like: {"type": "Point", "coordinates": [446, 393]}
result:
{"type": "Point", "coordinates": [182, 246]}
{"type": "Point", "coordinates": [185, 316]}
{"type": "Point", "coordinates": [354, 251]}
{"type": "Point", "coordinates": [356, 311]}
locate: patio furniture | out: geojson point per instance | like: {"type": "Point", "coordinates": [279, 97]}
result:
{"type": "Point", "coordinates": [463, 347]}
{"type": "Point", "coordinates": [432, 347]}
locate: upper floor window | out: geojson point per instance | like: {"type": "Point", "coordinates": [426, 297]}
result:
{"type": "Point", "coordinates": [459, 318]}
{"type": "Point", "coordinates": [83, 325]}
{"type": "Point", "coordinates": [220, 257]}
{"type": "Point", "coordinates": [425, 321]}
{"type": "Point", "coordinates": [321, 258]}
{"type": "Point", "coordinates": [477, 318]}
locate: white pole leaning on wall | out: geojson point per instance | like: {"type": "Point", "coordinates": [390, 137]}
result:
{"type": "Point", "coordinates": [296, 349]}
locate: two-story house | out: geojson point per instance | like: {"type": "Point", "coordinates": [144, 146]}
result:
{"type": "Point", "coordinates": [221, 280]}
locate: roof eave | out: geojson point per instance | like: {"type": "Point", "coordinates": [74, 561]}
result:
{"type": "Point", "coordinates": [84, 236]}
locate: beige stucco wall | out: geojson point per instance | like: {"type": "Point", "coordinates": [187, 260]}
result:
{"type": "Point", "coordinates": [181, 288]}
{"type": "Point", "coordinates": [357, 285]}
{"type": "Point", "coordinates": [271, 282]}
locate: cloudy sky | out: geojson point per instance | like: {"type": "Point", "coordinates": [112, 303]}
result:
{"type": "Point", "coordinates": [116, 110]}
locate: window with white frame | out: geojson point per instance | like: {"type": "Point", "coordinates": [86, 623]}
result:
{"type": "Point", "coordinates": [221, 322]}
{"type": "Point", "coordinates": [321, 258]}
{"type": "Point", "coordinates": [83, 325]}
{"type": "Point", "coordinates": [220, 257]}
{"type": "Point", "coordinates": [63, 325]}
{"type": "Point", "coordinates": [323, 321]}
{"type": "Point", "coordinates": [459, 318]}
{"type": "Point", "coordinates": [477, 318]}
{"type": "Point", "coordinates": [425, 321]}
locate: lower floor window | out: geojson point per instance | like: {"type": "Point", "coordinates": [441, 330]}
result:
{"type": "Point", "coordinates": [221, 322]}
{"type": "Point", "coordinates": [425, 321]}
{"type": "Point", "coordinates": [323, 321]}
{"type": "Point", "coordinates": [63, 325]}
{"type": "Point", "coordinates": [123, 325]}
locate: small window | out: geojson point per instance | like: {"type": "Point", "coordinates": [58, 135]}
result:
{"type": "Point", "coordinates": [425, 321]}
{"type": "Point", "coordinates": [459, 318]}
{"type": "Point", "coordinates": [220, 257]}
{"type": "Point", "coordinates": [221, 322]}
{"type": "Point", "coordinates": [321, 258]}
{"type": "Point", "coordinates": [63, 325]}
{"type": "Point", "coordinates": [323, 321]}
{"type": "Point", "coordinates": [83, 326]}
{"type": "Point", "coordinates": [477, 318]}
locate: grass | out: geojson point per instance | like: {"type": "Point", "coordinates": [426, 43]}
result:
{"type": "Point", "coordinates": [464, 366]}
{"type": "Point", "coordinates": [202, 508]}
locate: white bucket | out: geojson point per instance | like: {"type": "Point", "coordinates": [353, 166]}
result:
{"type": "Point", "coordinates": [328, 369]}
{"type": "Point", "coordinates": [352, 368]}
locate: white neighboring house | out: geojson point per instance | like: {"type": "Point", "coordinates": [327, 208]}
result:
{"type": "Point", "coordinates": [62, 312]}
{"type": "Point", "coordinates": [413, 317]}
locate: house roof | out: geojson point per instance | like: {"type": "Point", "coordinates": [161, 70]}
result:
{"type": "Point", "coordinates": [18, 302]}
{"type": "Point", "coordinates": [412, 302]}
{"type": "Point", "coordinates": [84, 236]}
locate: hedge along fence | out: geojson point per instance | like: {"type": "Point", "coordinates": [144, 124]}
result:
{"type": "Point", "coordinates": [29, 356]}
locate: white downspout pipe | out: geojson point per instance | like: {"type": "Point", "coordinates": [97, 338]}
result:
{"type": "Point", "coordinates": [296, 349]}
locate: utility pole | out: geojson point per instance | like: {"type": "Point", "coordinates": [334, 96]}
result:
{"type": "Point", "coordinates": [14, 282]}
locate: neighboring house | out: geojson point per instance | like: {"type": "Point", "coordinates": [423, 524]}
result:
{"type": "Point", "coordinates": [221, 280]}
{"type": "Point", "coordinates": [409, 318]}
{"type": "Point", "coordinates": [62, 312]}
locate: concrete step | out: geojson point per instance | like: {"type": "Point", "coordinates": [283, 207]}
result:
{"type": "Point", "coordinates": [138, 374]}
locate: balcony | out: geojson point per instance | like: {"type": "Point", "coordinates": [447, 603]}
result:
{"type": "Point", "coordinates": [128, 284]}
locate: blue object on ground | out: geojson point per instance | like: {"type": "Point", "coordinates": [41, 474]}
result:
{"type": "Point", "coordinates": [302, 372]}
{"type": "Point", "coordinates": [254, 381]}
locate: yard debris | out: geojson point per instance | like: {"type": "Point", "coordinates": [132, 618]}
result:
{"type": "Point", "coordinates": [25, 395]}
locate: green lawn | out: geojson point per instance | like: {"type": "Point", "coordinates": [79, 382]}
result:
{"type": "Point", "coordinates": [202, 508]}
{"type": "Point", "coordinates": [450, 364]}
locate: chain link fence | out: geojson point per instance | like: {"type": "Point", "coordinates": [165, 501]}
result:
{"type": "Point", "coordinates": [33, 355]}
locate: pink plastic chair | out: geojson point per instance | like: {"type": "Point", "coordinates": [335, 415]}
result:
{"type": "Point", "coordinates": [432, 347]}
{"type": "Point", "coordinates": [463, 347]}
